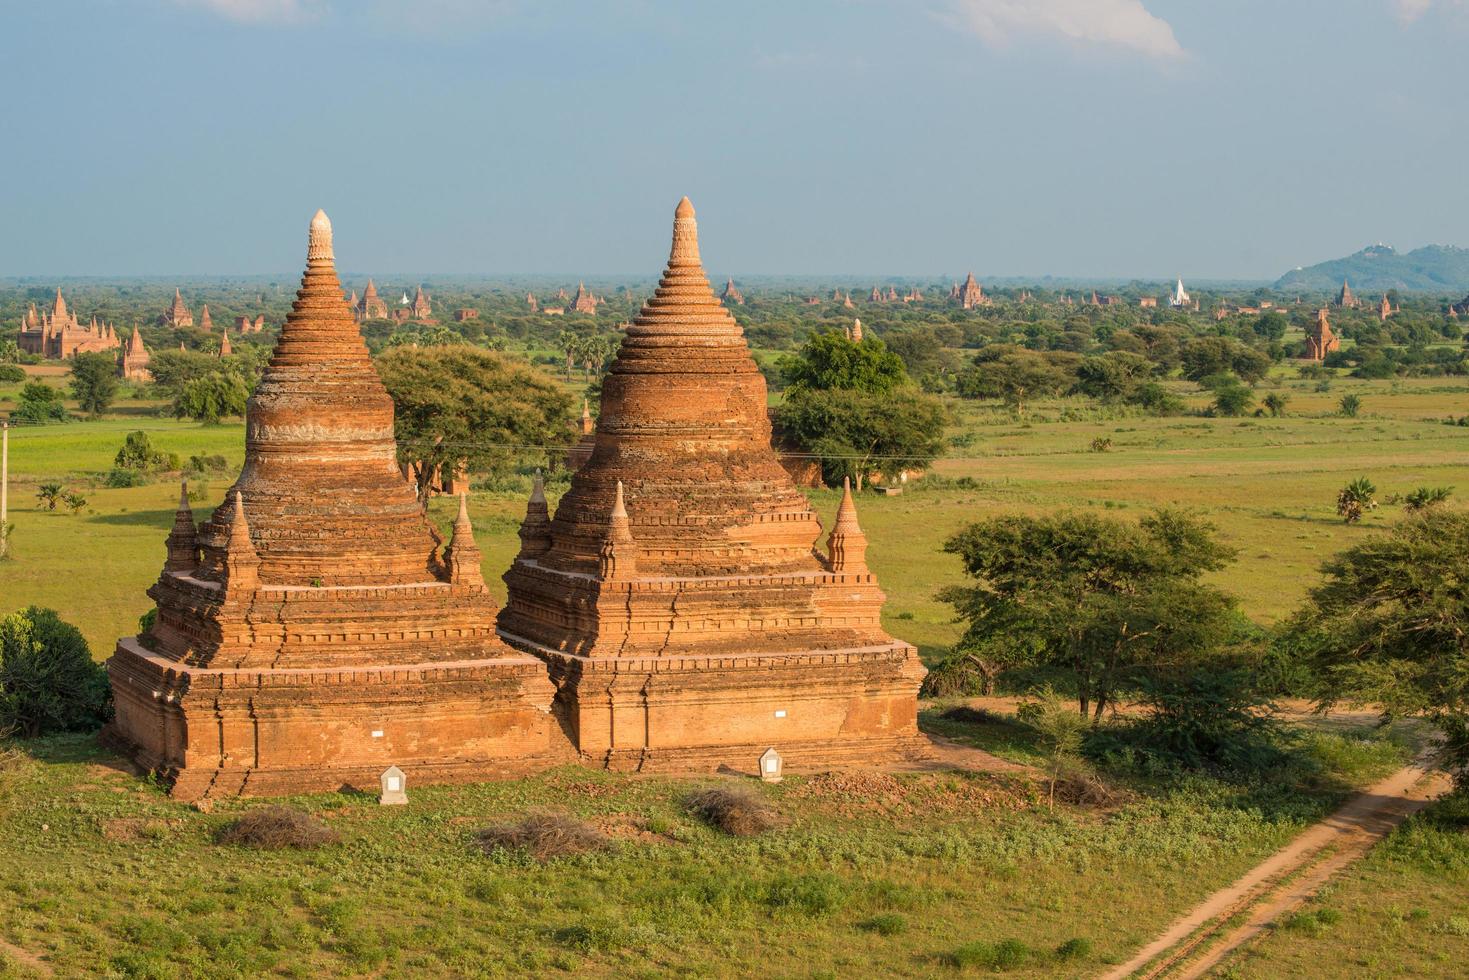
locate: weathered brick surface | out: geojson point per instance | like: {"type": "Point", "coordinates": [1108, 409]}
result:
{"type": "Point", "coordinates": [706, 624]}
{"type": "Point", "coordinates": [310, 632]}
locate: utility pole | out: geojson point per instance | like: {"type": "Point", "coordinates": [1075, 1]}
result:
{"type": "Point", "coordinates": [4, 489]}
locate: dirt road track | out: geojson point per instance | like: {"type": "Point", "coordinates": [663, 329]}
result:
{"type": "Point", "coordinates": [1284, 880]}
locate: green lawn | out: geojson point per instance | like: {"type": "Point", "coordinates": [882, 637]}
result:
{"type": "Point", "coordinates": [872, 874]}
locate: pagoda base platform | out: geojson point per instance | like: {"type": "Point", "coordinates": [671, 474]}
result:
{"type": "Point", "coordinates": [211, 733]}
{"type": "Point", "coordinates": [819, 709]}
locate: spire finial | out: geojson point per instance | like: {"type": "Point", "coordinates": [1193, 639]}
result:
{"type": "Point", "coordinates": [847, 546]}
{"type": "Point", "coordinates": [319, 239]}
{"type": "Point", "coordinates": [463, 555]}
{"type": "Point", "coordinates": [538, 489]}
{"type": "Point", "coordinates": [184, 495]}
{"type": "Point", "coordinates": [619, 508]}
{"type": "Point", "coordinates": [183, 542]}
{"type": "Point", "coordinates": [685, 249]}
{"type": "Point", "coordinates": [618, 558]}
{"type": "Point", "coordinates": [535, 530]}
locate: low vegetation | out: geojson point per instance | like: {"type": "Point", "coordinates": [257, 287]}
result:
{"type": "Point", "coordinates": [543, 836]}
{"type": "Point", "coordinates": [274, 828]}
{"type": "Point", "coordinates": [737, 811]}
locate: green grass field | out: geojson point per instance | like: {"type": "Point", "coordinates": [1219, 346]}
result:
{"type": "Point", "coordinates": [903, 875]}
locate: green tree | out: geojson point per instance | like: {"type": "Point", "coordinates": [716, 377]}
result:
{"type": "Point", "coordinates": [1232, 400]}
{"type": "Point", "coordinates": [48, 680]}
{"type": "Point", "coordinates": [1355, 499]}
{"type": "Point", "coordinates": [1271, 325]}
{"type": "Point", "coordinates": [1017, 375]}
{"type": "Point", "coordinates": [857, 433]}
{"type": "Point", "coordinates": [460, 405]}
{"type": "Point", "coordinates": [1275, 404]}
{"type": "Point", "coordinates": [1208, 355]}
{"type": "Point", "coordinates": [1115, 376]}
{"type": "Point", "coordinates": [1350, 405]}
{"type": "Point", "coordinates": [75, 501]}
{"type": "Point", "coordinates": [212, 397]}
{"type": "Point", "coordinates": [1389, 627]}
{"type": "Point", "coordinates": [94, 382]}
{"type": "Point", "coordinates": [39, 402]}
{"type": "Point", "coordinates": [1109, 601]}
{"type": "Point", "coordinates": [50, 494]}
{"type": "Point", "coordinates": [1425, 497]}
{"type": "Point", "coordinates": [830, 360]}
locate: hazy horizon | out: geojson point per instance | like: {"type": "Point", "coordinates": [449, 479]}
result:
{"type": "Point", "coordinates": [1104, 140]}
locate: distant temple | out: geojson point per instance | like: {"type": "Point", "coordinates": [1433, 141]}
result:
{"type": "Point", "coordinates": [1344, 297]}
{"type": "Point", "coordinates": [1384, 310]}
{"type": "Point", "coordinates": [466, 313]}
{"type": "Point", "coordinates": [225, 349]}
{"type": "Point", "coordinates": [177, 314]}
{"type": "Point", "coordinates": [1180, 298]}
{"type": "Point", "coordinates": [584, 302]}
{"type": "Point", "coordinates": [371, 306]}
{"type": "Point", "coordinates": [60, 334]}
{"type": "Point", "coordinates": [205, 323]}
{"type": "Point", "coordinates": [1148, 303]}
{"type": "Point", "coordinates": [530, 301]}
{"type": "Point", "coordinates": [1320, 340]}
{"type": "Point", "coordinates": [972, 294]}
{"type": "Point", "coordinates": [732, 295]}
{"type": "Point", "coordinates": [134, 363]}
{"type": "Point", "coordinates": [421, 308]}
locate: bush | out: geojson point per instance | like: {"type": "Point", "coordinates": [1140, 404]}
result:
{"type": "Point", "coordinates": [137, 453]}
{"type": "Point", "coordinates": [11, 374]}
{"type": "Point", "coordinates": [48, 680]}
{"type": "Point", "coordinates": [1209, 716]}
{"type": "Point", "coordinates": [1074, 949]}
{"type": "Point", "coordinates": [817, 894]}
{"type": "Point", "coordinates": [543, 836]}
{"type": "Point", "coordinates": [736, 811]}
{"type": "Point", "coordinates": [275, 828]}
{"type": "Point", "coordinates": [39, 402]}
{"type": "Point", "coordinates": [118, 479]}
{"type": "Point", "coordinates": [887, 924]}
{"type": "Point", "coordinates": [1001, 956]}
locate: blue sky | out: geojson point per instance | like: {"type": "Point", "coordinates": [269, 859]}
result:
{"type": "Point", "coordinates": [1106, 138]}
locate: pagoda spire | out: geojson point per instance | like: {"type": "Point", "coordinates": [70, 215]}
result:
{"type": "Point", "coordinates": [58, 308]}
{"type": "Point", "coordinates": [183, 539]}
{"type": "Point", "coordinates": [463, 556]}
{"type": "Point", "coordinates": [241, 563]}
{"type": "Point", "coordinates": [856, 330]}
{"type": "Point", "coordinates": [587, 425]}
{"type": "Point", "coordinates": [618, 558]}
{"type": "Point", "coordinates": [847, 546]}
{"type": "Point", "coordinates": [535, 530]}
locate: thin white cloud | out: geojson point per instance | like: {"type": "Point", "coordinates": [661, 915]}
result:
{"type": "Point", "coordinates": [1118, 24]}
{"type": "Point", "coordinates": [1412, 11]}
{"type": "Point", "coordinates": [261, 11]}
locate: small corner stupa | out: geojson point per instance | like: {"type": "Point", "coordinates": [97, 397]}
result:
{"type": "Point", "coordinates": [309, 634]}
{"type": "Point", "coordinates": [678, 594]}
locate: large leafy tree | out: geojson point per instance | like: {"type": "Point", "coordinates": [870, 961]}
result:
{"type": "Point", "coordinates": [48, 680]}
{"type": "Point", "coordinates": [1389, 626]}
{"type": "Point", "coordinates": [1016, 375]}
{"type": "Point", "coordinates": [1111, 602]}
{"type": "Point", "coordinates": [857, 433]}
{"type": "Point", "coordinates": [212, 397]}
{"type": "Point", "coordinates": [830, 360]}
{"type": "Point", "coordinates": [1211, 355]}
{"type": "Point", "coordinates": [94, 382]}
{"type": "Point", "coordinates": [460, 405]}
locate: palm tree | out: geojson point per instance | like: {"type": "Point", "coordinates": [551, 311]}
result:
{"type": "Point", "coordinates": [570, 345]}
{"type": "Point", "coordinates": [1426, 497]}
{"type": "Point", "coordinates": [49, 494]}
{"type": "Point", "coordinates": [1355, 499]}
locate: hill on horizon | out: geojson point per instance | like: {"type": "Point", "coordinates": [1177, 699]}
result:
{"type": "Point", "coordinates": [1378, 268]}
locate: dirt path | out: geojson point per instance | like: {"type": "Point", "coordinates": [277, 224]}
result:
{"type": "Point", "coordinates": [27, 960]}
{"type": "Point", "coordinates": [1240, 912]}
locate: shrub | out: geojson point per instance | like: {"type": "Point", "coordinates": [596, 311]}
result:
{"type": "Point", "coordinates": [137, 453]}
{"type": "Point", "coordinates": [887, 924]}
{"type": "Point", "coordinates": [275, 828]}
{"type": "Point", "coordinates": [119, 479]}
{"type": "Point", "coordinates": [11, 374]}
{"type": "Point", "coordinates": [816, 894]}
{"type": "Point", "coordinates": [1074, 949]}
{"type": "Point", "coordinates": [543, 836]}
{"type": "Point", "coordinates": [1001, 956]}
{"type": "Point", "coordinates": [1207, 716]}
{"type": "Point", "coordinates": [48, 680]}
{"type": "Point", "coordinates": [39, 402]}
{"type": "Point", "coordinates": [736, 811]}
{"type": "Point", "coordinates": [1350, 405]}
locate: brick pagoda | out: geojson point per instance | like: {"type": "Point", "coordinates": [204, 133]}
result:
{"type": "Point", "coordinates": [311, 633]}
{"type": "Point", "coordinates": [678, 595]}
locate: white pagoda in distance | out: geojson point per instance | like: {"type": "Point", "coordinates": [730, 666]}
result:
{"type": "Point", "coordinates": [1179, 300]}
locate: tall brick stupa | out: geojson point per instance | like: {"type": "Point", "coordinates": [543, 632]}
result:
{"type": "Point", "coordinates": [681, 594]}
{"type": "Point", "coordinates": [311, 632]}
